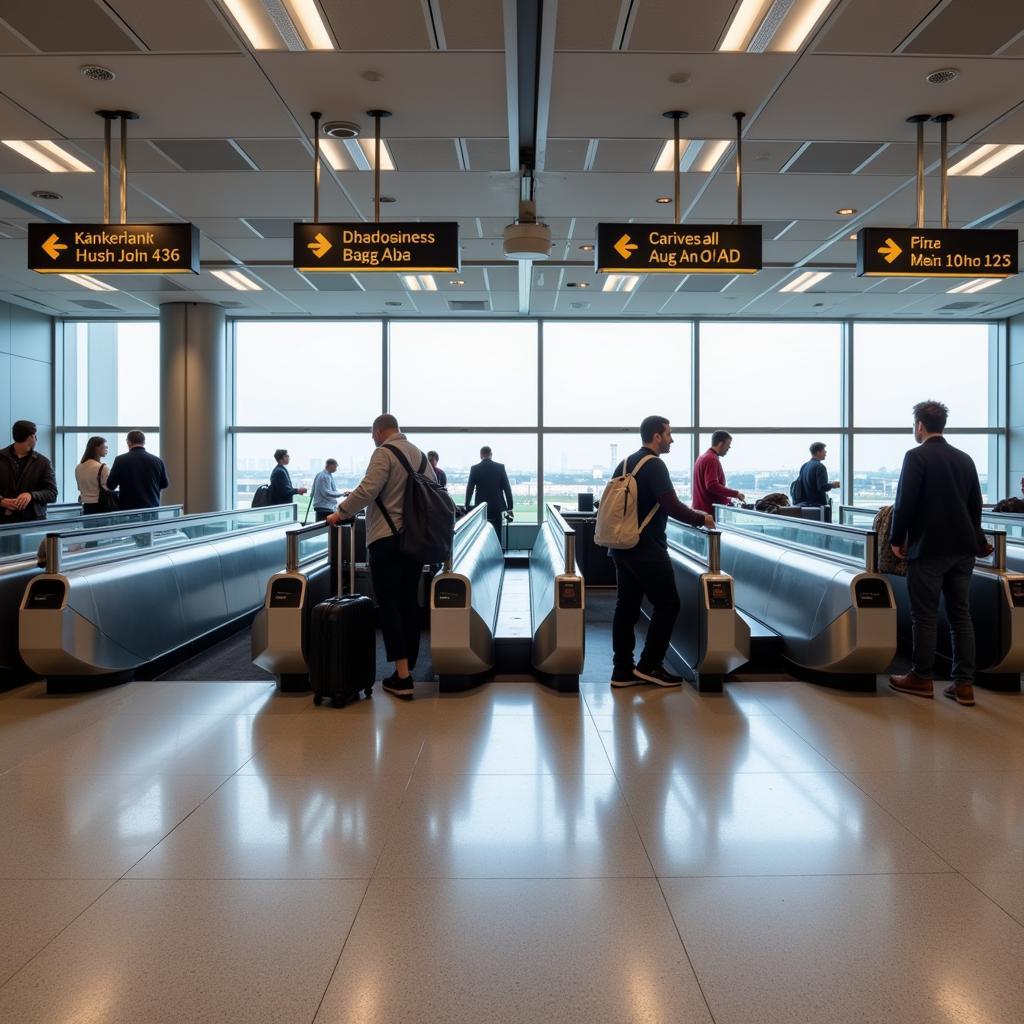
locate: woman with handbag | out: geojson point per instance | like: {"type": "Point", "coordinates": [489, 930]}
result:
{"type": "Point", "coordinates": [91, 475]}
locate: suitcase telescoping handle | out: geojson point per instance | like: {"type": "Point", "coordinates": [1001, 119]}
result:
{"type": "Point", "coordinates": [344, 537]}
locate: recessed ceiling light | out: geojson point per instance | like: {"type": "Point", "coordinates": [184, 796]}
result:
{"type": "Point", "coordinates": [853, 237]}
{"type": "Point", "coordinates": [663, 199]}
{"type": "Point", "coordinates": [667, 155]}
{"type": "Point", "coordinates": [846, 211]}
{"type": "Point", "coordinates": [710, 153]}
{"type": "Point", "coordinates": [341, 129]}
{"type": "Point", "coordinates": [457, 282]}
{"type": "Point", "coordinates": [356, 154]}
{"type": "Point", "coordinates": [587, 248]}
{"type": "Point", "coordinates": [808, 279]}
{"type": "Point", "coordinates": [237, 280]}
{"type": "Point", "coordinates": [281, 24]}
{"type": "Point", "coordinates": [780, 26]}
{"type": "Point", "coordinates": [985, 159]}
{"type": "Point", "coordinates": [419, 282]}
{"type": "Point", "coordinates": [89, 282]}
{"type": "Point", "coordinates": [48, 155]}
{"type": "Point", "coordinates": [582, 284]}
{"type": "Point", "coordinates": [620, 282]}
{"type": "Point", "coordinates": [979, 284]}
{"type": "Point", "coordinates": [45, 194]}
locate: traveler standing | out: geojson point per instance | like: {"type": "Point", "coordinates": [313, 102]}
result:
{"type": "Point", "coordinates": [489, 481]}
{"type": "Point", "coordinates": [709, 478]}
{"type": "Point", "coordinates": [646, 570]}
{"type": "Point", "coordinates": [92, 474]}
{"type": "Point", "coordinates": [395, 576]}
{"type": "Point", "coordinates": [442, 477]}
{"type": "Point", "coordinates": [138, 476]}
{"type": "Point", "coordinates": [281, 490]}
{"type": "Point", "coordinates": [936, 526]}
{"type": "Point", "coordinates": [27, 483]}
{"type": "Point", "coordinates": [325, 491]}
{"type": "Point", "coordinates": [814, 481]}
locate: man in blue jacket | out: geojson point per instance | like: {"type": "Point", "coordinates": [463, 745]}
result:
{"type": "Point", "coordinates": [936, 526]}
{"type": "Point", "coordinates": [814, 481]}
{"type": "Point", "coordinates": [138, 476]}
{"type": "Point", "coordinates": [281, 490]}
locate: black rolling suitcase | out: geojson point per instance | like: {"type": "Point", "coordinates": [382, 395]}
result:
{"type": "Point", "coordinates": [343, 643]}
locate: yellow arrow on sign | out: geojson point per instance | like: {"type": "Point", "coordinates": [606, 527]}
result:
{"type": "Point", "coordinates": [52, 247]}
{"type": "Point", "coordinates": [625, 247]}
{"type": "Point", "coordinates": [891, 251]}
{"type": "Point", "coordinates": [321, 247]}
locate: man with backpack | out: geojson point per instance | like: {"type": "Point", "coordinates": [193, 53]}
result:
{"type": "Point", "coordinates": [631, 521]}
{"type": "Point", "coordinates": [811, 487]}
{"type": "Point", "coordinates": [398, 548]}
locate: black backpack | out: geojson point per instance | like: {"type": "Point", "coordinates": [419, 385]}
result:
{"type": "Point", "coordinates": [796, 491]}
{"type": "Point", "coordinates": [261, 496]}
{"type": "Point", "coordinates": [428, 515]}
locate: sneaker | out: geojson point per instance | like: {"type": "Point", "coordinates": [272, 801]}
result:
{"type": "Point", "coordinates": [624, 677]}
{"type": "Point", "coordinates": [913, 684]}
{"type": "Point", "coordinates": [962, 692]}
{"type": "Point", "coordinates": [659, 675]}
{"type": "Point", "coordinates": [400, 687]}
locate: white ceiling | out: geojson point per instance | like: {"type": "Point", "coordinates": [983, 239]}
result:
{"type": "Point", "coordinates": [443, 68]}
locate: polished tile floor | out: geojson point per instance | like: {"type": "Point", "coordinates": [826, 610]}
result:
{"type": "Point", "coordinates": [190, 851]}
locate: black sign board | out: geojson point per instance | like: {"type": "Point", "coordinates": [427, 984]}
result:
{"type": "Point", "coordinates": [678, 248]}
{"type": "Point", "coordinates": [936, 252]}
{"type": "Point", "coordinates": [113, 248]}
{"type": "Point", "coordinates": [383, 248]}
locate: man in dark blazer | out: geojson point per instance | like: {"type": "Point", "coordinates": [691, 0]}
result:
{"type": "Point", "coordinates": [936, 526]}
{"type": "Point", "coordinates": [138, 476]}
{"type": "Point", "coordinates": [281, 490]}
{"type": "Point", "coordinates": [488, 481]}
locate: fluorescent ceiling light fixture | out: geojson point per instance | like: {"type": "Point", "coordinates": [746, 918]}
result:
{"type": "Point", "coordinates": [281, 24]}
{"type": "Point", "coordinates": [620, 282]}
{"type": "Point", "coordinates": [237, 280]}
{"type": "Point", "coordinates": [694, 154]}
{"type": "Point", "coordinates": [48, 155]}
{"type": "Point", "coordinates": [89, 282]}
{"type": "Point", "coordinates": [970, 287]}
{"type": "Point", "coordinates": [985, 159]}
{"type": "Point", "coordinates": [337, 155]}
{"type": "Point", "coordinates": [780, 26]}
{"type": "Point", "coordinates": [356, 154]}
{"type": "Point", "coordinates": [419, 282]}
{"type": "Point", "coordinates": [808, 279]}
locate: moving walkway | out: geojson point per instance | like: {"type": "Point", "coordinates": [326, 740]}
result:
{"type": "Point", "coordinates": [121, 600]}
{"type": "Point", "coordinates": [997, 603]}
{"type": "Point", "coordinates": [20, 545]}
{"type": "Point", "coordinates": [816, 586]}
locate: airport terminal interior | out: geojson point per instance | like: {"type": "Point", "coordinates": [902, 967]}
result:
{"type": "Point", "coordinates": [248, 227]}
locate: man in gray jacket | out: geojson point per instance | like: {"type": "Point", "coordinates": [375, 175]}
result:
{"type": "Point", "coordinates": [395, 577]}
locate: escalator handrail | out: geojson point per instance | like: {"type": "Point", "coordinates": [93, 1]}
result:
{"type": "Point", "coordinates": [554, 516]}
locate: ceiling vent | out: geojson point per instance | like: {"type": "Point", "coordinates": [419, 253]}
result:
{"type": "Point", "coordinates": [342, 130]}
{"type": "Point", "coordinates": [97, 73]}
{"type": "Point", "coordinates": [961, 305]}
{"type": "Point", "coordinates": [942, 76]}
{"type": "Point", "coordinates": [466, 305]}
{"type": "Point", "coordinates": [93, 304]}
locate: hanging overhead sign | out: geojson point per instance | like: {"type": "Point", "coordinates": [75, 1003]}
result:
{"type": "Point", "coordinates": [360, 247]}
{"type": "Point", "coordinates": [678, 248]}
{"type": "Point", "coordinates": [113, 248]}
{"type": "Point", "coordinates": [936, 252]}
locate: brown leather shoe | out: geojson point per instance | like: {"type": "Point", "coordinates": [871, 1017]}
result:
{"type": "Point", "coordinates": [913, 684]}
{"type": "Point", "coordinates": [961, 691]}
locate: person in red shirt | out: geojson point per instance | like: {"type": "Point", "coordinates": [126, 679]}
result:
{"type": "Point", "coordinates": [709, 478]}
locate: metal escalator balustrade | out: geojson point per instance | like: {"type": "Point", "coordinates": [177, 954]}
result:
{"type": "Point", "coordinates": [113, 600]}
{"type": "Point", "coordinates": [817, 585]}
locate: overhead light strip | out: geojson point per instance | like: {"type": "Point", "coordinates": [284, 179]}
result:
{"type": "Point", "coordinates": [620, 282]}
{"type": "Point", "coordinates": [419, 282]}
{"type": "Point", "coordinates": [808, 279]}
{"type": "Point", "coordinates": [778, 26]}
{"type": "Point", "coordinates": [237, 280]}
{"type": "Point", "coordinates": [48, 155]}
{"type": "Point", "coordinates": [985, 159]}
{"type": "Point", "coordinates": [979, 284]}
{"type": "Point", "coordinates": [89, 282]}
{"type": "Point", "coordinates": [295, 25]}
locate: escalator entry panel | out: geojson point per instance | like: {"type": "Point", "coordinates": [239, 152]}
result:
{"type": "Point", "coordinates": [1017, 592]}
{"type": "Point", "coordinates": [449, 593]}
{"type": "Point", "coordinates": [719, 594]}
{"type": "Point", "coordinates": [872, 593]}
{"type": "Point", "coordinates": [570, 593]}
{"type": "Point", "coordinates": [46, 594]}
{"type": "Point", "coordinates": [286, 593]}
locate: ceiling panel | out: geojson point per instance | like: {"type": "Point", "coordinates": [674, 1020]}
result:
{"type": "Point", "coordinates": [832, 157]}
{"type": "Point", "coordinates": [56, 26]}
{"type": "Point", "coordinates": [12, 43]}
{"type": "Point", "coordinates": [900, 158]}
{"type": "Point", "coordinates": [203, 154]}
{"type": "Point", "coordinates": [213, 96]}
{"type": "Point", "coordinates": [487, 154]}
{"type": "Point", "coordinates": [627, 154]}
{"type": "Point", "coordinates": [142, 156]}
{"type": "Point", "coordinates": [473, 24]}
{"type": "Point", "coordinates": [686, 26]}
{"type": "Point", "coordinates": [566, 154]}
{"type": "Point", "coordinates": [278, 154]}
{"type": "Point", "coordinates": [378, 24]}
{"type": "Point", "coordinates": [962, 28]}
{"type": "Point", "coordinates": [425, 154]}
{"type": "Point", "coordinates": [872, 26]}
{"type": "Point", "coordinates": [184, 26]}
{"type": "Point", "coordinates": [587, 24]}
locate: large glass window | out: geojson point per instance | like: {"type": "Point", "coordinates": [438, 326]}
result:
{"type": "Point", "coordinates": [898, 365]}
{"type": "Point", "coordinates": [604, 374]}
{"type": "Point", "coordinates": [307, 373]}
{"type": "Point", "coordinates": [74, 449]}
{"type": "Point", "coordinates": [770, 375]}
{"type": "Point", "coordinates": [760, 464]}
{"type": "Point", "coordinates": [465, 373]}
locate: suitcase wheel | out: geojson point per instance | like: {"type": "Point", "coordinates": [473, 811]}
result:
{"type": "Point", "coordinates": [318, 700]}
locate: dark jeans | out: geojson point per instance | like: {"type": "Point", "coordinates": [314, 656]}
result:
{"type": "Point", "coordinates": [640, 574]}
{"type": "Point", "coordinates": [395, 585]}
{"type": "Point", "coordinates": [950, 576]}
{"type": "Point", "coordinates": [322, 514]}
